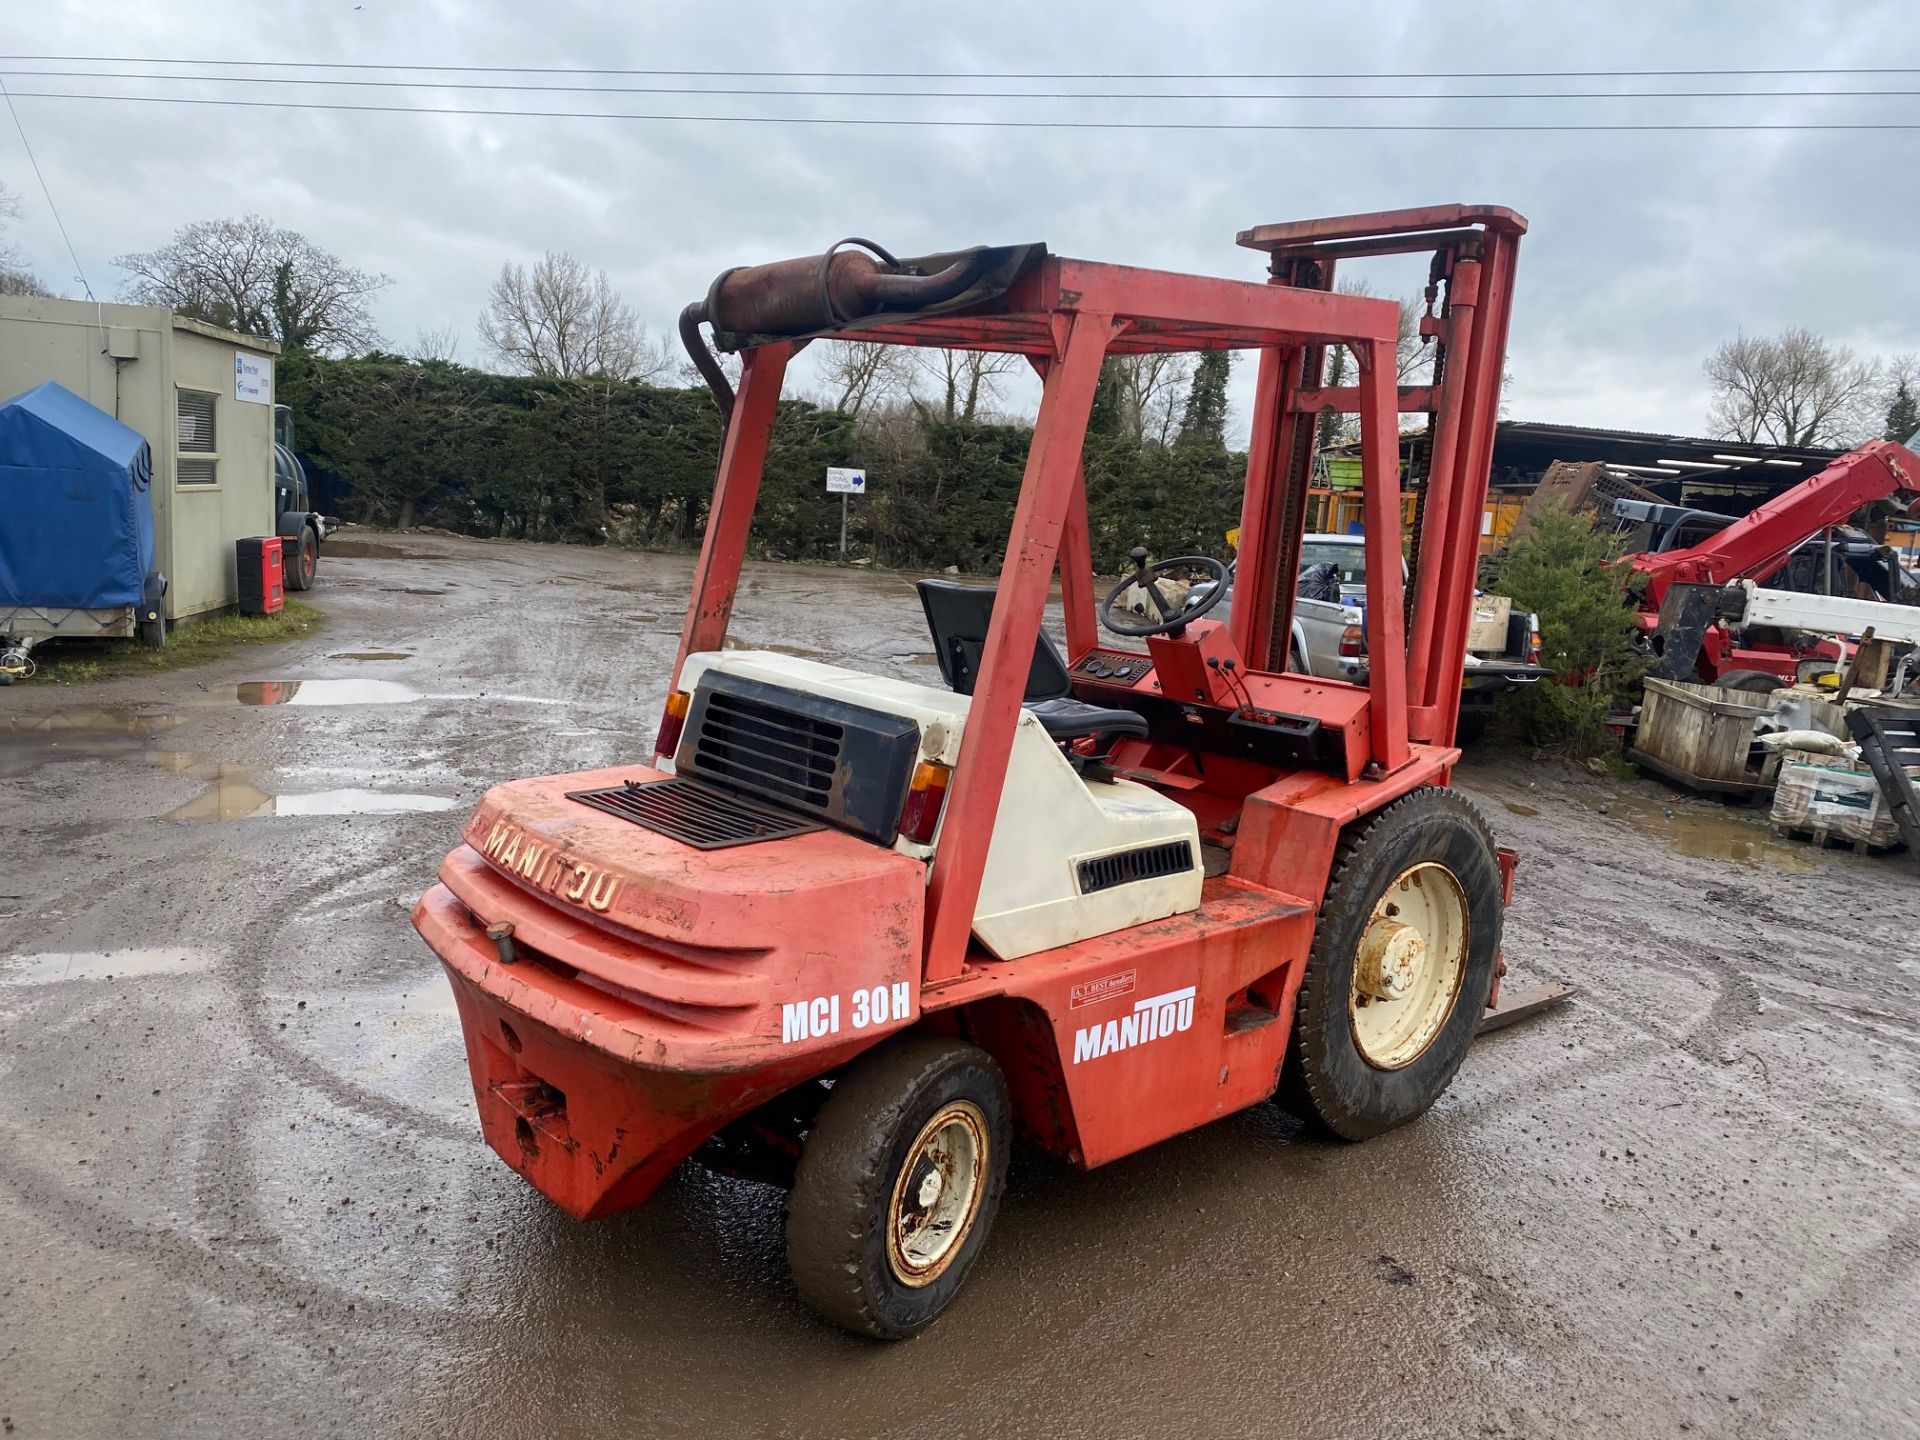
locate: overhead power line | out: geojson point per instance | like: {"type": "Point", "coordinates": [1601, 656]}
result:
{"type": "Point", "coordinates": [79, 272]}
{"type": "Point", "coordinates": [965, 74]}
{"type": "Point", "coordinates": [923, 94]}
{"type": "Point", "coordinates": [906, 122]}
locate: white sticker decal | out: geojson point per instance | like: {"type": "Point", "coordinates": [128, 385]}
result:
{"type": "Point", "coordinates": [820, 1016]}
{"type": "Point", "coordinates": [1153, 1018]}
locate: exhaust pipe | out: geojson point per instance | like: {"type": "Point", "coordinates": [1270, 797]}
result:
{"type": "Point", "coordinates": [821, 292]}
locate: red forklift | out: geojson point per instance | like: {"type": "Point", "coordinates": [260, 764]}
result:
{"type": "Point", "coordinates": [855, 934]}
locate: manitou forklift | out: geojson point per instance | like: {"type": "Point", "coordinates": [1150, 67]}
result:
{"type": "Point", "coordinates": [855, 933]}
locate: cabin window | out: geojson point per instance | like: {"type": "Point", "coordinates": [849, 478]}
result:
{"type": "Point", "coordinates": [198, 460]}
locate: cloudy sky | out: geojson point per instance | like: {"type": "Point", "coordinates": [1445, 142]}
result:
{"type": "Point", "coordinates": [1647, 248]}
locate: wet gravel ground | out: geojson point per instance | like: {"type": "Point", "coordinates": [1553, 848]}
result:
{"type": "Point", "coordinates": [242, 1192]}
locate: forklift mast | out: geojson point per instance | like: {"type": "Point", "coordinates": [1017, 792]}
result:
{"type": "Point", "coordinates": [1469, 298]}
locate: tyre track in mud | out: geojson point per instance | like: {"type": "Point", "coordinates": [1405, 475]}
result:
{"type": "Point", "coordinates": [251, 962]}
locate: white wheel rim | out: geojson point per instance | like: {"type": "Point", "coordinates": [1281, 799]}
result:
{"type": "Point", "coordinates": [1408, 968]}
{"type": "Point", "coordinates": [937, 1193]}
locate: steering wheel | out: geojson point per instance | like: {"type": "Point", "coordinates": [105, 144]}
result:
{"type": "Point", "coordinates": [1181, 570]}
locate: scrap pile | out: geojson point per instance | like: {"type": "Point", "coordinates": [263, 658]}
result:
{"type": "Point", "coordinates": [1839, 764]}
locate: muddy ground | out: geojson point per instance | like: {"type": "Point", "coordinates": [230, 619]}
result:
{"type": "Point", "coordinates": [242, 1191]}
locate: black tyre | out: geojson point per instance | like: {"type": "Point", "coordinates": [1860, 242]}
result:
{"type": "Point", "coordinates": [898, 1185]}
{"type": "Point", "coordinates": [153, 633]}
{"type": "Point", "coordinates": [1401, 964]}
{"type": "Point", "coordinates": [302, 560]}
{"type": "Point", "coordinates": [1759, 682]}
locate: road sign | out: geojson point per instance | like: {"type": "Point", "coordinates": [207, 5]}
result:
{"type": "Point", "coordinates": [842, 481]}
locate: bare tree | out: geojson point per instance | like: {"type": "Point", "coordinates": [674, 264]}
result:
{"type": "Point", "coordinates": [963, 381]}
{"type": "Point", "coordinates": [1412, 364]}
{"type": "Point", "coordinates": [259, 278]}
{"type": "Point", "coordinates": [564, 320]}
{"type": "Point", "coordinates": [1150, 389]}
{"type": "Point", "coordinates": [862, 374]}
{"type": "Point", "coordinates": [1795, 389]}
{"type": "Point", "coordinates": [656, 358]}
{"type": "Point", "coordinates": [15, 277]}
{"type": "Point", "coordinates": [440, 344]}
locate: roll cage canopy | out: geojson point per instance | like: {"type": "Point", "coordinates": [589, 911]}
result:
{"type": "Point", "coordinates": [1066, 316]}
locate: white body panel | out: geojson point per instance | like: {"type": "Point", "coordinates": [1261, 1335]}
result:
{"type": "Point", "coordinates": [1048, 822]}
{"type": "Point", "coordinates": [1831, 614]}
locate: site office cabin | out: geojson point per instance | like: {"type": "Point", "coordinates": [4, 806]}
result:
{"type": "Point", "coordinates": [852, 933]}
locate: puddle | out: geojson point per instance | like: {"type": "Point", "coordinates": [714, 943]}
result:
{"type": "Point", "coordinates": [230, 798]}
{"type": "Point", "coordinates": [84, 733]}
{"type": "Point", "coordinates": [373, 550]}
{"type": "Point", "coordinates": [52, 967]}
{"type": "Point", "coordinates": [358, 692]}
{"type": "Point", "coordinates": [372, 655]}
{"type": "Point", "coordinates": [1518, 809]}
{"type": "Point", "coordinates": [1707, 834]}
{"type": "Point", "coordinates": [324, 692]}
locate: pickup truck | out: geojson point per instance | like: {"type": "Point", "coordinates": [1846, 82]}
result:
{"type": "Point", "coordinates": [1330, 635]}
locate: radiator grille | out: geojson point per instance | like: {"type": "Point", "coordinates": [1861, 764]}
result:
{"type": "Point", "coordinates": [694, 814]}
{"type": "Point", "coordinates": [781, 753]}
{"type": "Point", "coordinates": [1150, 862]}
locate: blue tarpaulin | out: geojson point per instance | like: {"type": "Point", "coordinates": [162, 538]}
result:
{"type": "Point", "coordinates": [76, 516]}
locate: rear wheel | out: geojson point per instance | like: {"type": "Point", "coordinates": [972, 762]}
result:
{"type": "Point", "coordinates": [1471, 728]}
{"type": "Point", "coordinates": [303, 560]}
{"type": "Point", "coordinates": [898, 1185]}
{"type": "Point", "coordinates": [1759, 682]}
{"type": "Point", "coordinates": [1401, 965]}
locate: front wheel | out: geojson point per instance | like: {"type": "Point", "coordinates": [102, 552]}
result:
{"type": "Point", "coordinates": [303, 561]}
{"type": "Point", "coordinates": [898, 1185]}
{"type": "Point", "coordinates": [1400, 969]}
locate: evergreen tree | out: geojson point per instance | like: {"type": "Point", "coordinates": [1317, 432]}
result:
{"type": "Point", "coordinates": [1203, 425]}
{"type": "Point", "coordinates": [1104, 417]}
{"type": "Point", "coordinates": [1903, 415]}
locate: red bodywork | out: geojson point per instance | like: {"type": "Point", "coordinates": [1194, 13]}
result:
{"type": "Point", "coordinates": [1760, 542]}
{"type": "Point", "coordinates": [658, 992]}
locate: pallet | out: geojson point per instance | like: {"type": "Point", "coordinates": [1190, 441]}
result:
{"type": "Point", "coordinates": [1822, 838]}
{"type": "Point", "coordinates": [1744, 791]}
{"type": "Point", "coordinates": [1889, 741]}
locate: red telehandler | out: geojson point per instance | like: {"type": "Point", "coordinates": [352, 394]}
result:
{"type": "Point", "coordinates": [855, 933]}
{"type": "Point", "coordinates": [1684, 594]}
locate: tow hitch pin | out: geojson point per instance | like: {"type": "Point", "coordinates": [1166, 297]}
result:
{"type": "Point", "coordinates": [501, 933]}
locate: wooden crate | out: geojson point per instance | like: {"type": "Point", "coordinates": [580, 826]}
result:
{"type": "Point", "coordinates": [1699, 735]}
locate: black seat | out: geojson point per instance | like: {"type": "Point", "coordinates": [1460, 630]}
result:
{"type": "Point", "coordinates": [958, 617]}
